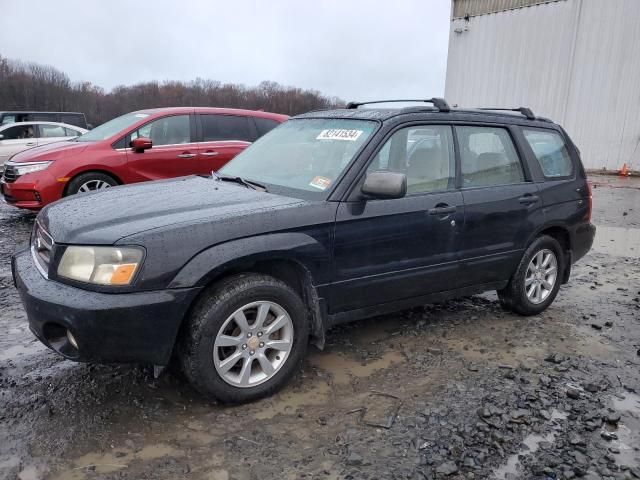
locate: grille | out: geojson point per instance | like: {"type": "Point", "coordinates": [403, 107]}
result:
{"type": "Point", "coordinates": [41, 248]}
{"type": "Point", "coordinates": [10, 174]}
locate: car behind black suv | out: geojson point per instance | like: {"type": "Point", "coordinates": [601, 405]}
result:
{"type": "Point", "coordinates": [331, 217]}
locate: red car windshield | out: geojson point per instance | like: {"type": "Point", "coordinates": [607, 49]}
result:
{"type": "Point", "coordinates": [112, 127]}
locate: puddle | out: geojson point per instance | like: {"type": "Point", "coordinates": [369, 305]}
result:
{"type": "Point", "coordinates": [21, 350]}
{"type": "Point", "coordinates": [627, 431]}
{"type": "Point", "coordinates": [118, 459]}
{"type": "Point", "coordinates": [343, 368]}
{"type": "Point", "coordinates": [288, 402]}
{"type": "Point", "coordinates": [532, 443]}
{"type": "Point", "coordinates": [618, 241]}
{"type": "Point", "coordinates": [629, 403]}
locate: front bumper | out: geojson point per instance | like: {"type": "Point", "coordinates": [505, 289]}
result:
{"type": "Point", "coordinates": [120, 327]}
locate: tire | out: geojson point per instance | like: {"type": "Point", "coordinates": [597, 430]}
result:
{"type": "Point", "coordinates": [213, 320]}
{"type": "Point", "coordinates": [515, 297]}
{"type": "Point", "coordinates": [90, 181]}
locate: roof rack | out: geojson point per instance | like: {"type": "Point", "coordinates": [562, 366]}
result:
{"type": "Point", "coordinates": [440, 103]}
{"type": "Point", "coordinates": [523, 110]}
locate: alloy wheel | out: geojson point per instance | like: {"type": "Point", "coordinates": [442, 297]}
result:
{"type": "Point", "coordinates": [253, 344]}
{"type": "Point", "coordinates": [541, 277]}
{"type": "Point", "coordinates": [92, 185]}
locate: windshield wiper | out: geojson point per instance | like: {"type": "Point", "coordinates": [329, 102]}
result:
{"type": "Point", "coordinates": [239, 180]}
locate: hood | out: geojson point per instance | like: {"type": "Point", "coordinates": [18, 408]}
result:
{"type": "Point", "coordinates": [51, 151]}
{"type": "Point", "coordinates": [102, 218]}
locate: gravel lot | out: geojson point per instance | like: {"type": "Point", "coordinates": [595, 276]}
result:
{"type": "Point", "coordinates": [455, 390]}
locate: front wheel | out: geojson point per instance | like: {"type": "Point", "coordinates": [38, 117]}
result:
{"type": "Point", "coordinates": [245, 339]}
{"type": "Point", "coordinates": [90, 181]}
{"type": "Point", "coordinates": [536, 281]}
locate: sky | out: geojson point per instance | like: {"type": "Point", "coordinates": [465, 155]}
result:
{"type": "Point", "coordinates": [352, 49]}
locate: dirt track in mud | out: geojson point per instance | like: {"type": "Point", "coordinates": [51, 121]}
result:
{"type": "Point", "coordinates": [456, 390]}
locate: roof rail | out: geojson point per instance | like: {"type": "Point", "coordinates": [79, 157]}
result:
{"type": "Point", "coordinates": [440, 103]}
{"type": "Point", "coordinates": [523, 110]}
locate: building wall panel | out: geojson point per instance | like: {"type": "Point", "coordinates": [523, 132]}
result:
{"type": "Point", "coordinates": [575, 61]}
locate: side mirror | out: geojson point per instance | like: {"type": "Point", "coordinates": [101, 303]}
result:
{"type": "Point", "coordinates": [385, 185]}
{"type": "Point", "coordinates": [1, 136]}
{"type": "Point", "coordinates": [141, 144]}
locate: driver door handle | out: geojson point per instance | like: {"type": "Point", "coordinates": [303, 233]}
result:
{"type": "Point", "coordinates": [209, 154]}
{"type": "Point", "coordinates": [528, 199]}
{"type": "Point", "coordinates": [186, 155]}
{"type": "Point", "coordinates": [442, 210]}
{"type": "Point", "coordinates": [31, 144]}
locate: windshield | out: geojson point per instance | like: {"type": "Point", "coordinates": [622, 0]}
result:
{"type": "Point", "coordinates": [306, 156]}
{"type": "Point", "coordinates": [112, 127]}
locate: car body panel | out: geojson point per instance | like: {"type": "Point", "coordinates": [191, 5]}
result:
{"type": "Point", "coordinates": [72, 158]}
{"type": "Point", "coordinates": [362, 256]}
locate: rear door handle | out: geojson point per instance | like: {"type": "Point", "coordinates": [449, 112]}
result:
{"type": "Point", "coordinates": [444, 210]}
{"type": "Point", "coordinates": [186, 155]}
{"type": "Point", "coordinates": [528, 199]}
{"type": "Point", "coordinates": [209, 154]}
{"type": "Point", "coordinates": [31, 144]}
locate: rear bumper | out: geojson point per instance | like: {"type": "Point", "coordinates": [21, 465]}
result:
{"type": "Point", "coordinates": [132, 327]}
{"type": "Point", "coordinates": [582, 240]}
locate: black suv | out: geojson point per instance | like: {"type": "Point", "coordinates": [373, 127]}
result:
{"type": "Point", "coordinates": [331, 217]}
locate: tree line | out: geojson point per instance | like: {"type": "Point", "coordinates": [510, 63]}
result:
{"type": "Point", "coordinates": [32, 86]}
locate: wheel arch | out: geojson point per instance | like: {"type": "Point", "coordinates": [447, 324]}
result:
{"type": "Point", "coordinates": [562, 235]}
{"type": "Point", "coordinates": [90, 170]}
{"type": "Point", "coordinates": [286, 262]}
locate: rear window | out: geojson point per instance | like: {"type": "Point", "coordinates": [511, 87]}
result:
{"type": "Point", "coordinates": [551, 152]}
{"type": "Point", "coordinates": [225, 127]}
{"type": "Point", "coordinates": [264, 125]}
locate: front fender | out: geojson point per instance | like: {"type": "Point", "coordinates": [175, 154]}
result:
{"type": "Point", "coordinates": [302, 248]}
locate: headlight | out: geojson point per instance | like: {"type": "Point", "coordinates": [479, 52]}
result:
{"type": "Point", "coordinates": [22, 169]}
{"type": "Point", "coordinates": [100, 265]}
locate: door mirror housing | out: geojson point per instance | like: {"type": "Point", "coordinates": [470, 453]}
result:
{"type": "Point", "coordinates": [1, 136]}
{"type": "Point", "coordinates": [141, 144]}
{"type": "Point", "coordinates": [385, 185]}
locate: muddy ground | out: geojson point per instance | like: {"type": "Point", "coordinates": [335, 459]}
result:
{"type": "Point", "coordinates": [457, 390]}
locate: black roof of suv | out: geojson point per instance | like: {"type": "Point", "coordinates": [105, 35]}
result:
{"type": "Point", "coordinates": [332, 216]}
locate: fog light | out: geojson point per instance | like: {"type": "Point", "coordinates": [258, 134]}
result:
{"type": "Point", "coordinates": [39, 199]}
{"type": "Point", "coordinates": [72, 339]}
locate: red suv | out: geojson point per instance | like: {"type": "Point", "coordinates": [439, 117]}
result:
{"type": "Point", "coordinates": [136, 147]}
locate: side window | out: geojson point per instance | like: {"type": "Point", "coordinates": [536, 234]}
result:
{"type": "Point", "coordinates": [51, 131]}
{"type": "Point", "coordinates": [551, 152]}
{"type": "Point", "coordinates": [71, 119]}
{"type": "Point", "coordinates": [264, 125]}
{"type": "Point", "coordinates": [19, 132]}
{"type": "Point", "coordinates": [225, 127]}
{"type": "Point", "coordinates": [166, 131]}
{"type": "Point", "coordinates": [69, 132]}
{"type": "Point", "coordinates": [488, 157]}
{"type": "Point", "coordinates": [424, 154]}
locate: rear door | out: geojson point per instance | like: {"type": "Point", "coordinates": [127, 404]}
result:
{"type": "Point", "coordinates": [16, 138]}
{"type": "Point", "coordinates": [502, 203]}
{"type": "Point", "coordinates": [222, 138]}
{"type": "Point", "coordinates": [52, 133]}
{"type": "Point", "coordinates": [388, 250]}
{"type": "Point", "coordinates": [174, 152]}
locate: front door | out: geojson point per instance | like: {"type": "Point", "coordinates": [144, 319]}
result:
{"type": "Point", "coordinates": [223, 137]}
{"type": "Point", "coordinates": [387, 250]}
{"type": "Point", "coordinates": [16, 139]}
{"type": "Point", "coordinates": [173, 153]}
{"type": "Point", "coordinates": [502, 205]}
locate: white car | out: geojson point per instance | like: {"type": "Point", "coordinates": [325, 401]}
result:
{"type": "Point", "coordinates": [16, 137]}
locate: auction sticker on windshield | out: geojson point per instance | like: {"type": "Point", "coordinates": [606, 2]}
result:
{"type": "Point", "coordinates": [320, 182]}
{"type": "Point", "coordinates": [339, 134]}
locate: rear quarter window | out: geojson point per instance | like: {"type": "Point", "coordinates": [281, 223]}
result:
{"type": "Point", "coordinates": [551, 152]}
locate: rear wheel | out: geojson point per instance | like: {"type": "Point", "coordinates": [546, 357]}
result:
{"type": "Point", "coordinates": [536, 281]}
{"type": "Point", "coordinates": [89, 182]}
{"type": "Point", "coordinates": [245, 339]}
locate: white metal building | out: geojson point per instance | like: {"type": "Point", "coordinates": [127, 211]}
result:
{"type": "Point", "coordinates": [574, 61]}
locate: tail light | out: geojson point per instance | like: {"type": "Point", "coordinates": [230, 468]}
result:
{"type": "Point", "coordinates": [590, 201]}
